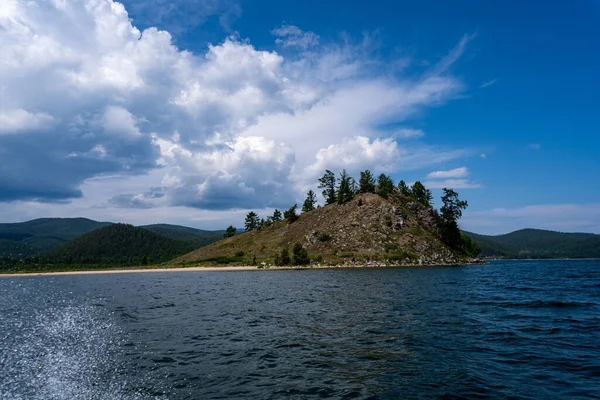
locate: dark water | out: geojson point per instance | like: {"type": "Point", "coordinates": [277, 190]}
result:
{"type": "Point", "coordinates": [504, 330]}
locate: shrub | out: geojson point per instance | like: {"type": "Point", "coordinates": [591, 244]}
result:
{"type": "Point", "coordinates": [300, 255]}
{"type": "Point", "coordinates": [323, 237]}
{"type": "Point", "coordinates": [240, 254]}
{"type": "Point", "coordinates": [285, 256]}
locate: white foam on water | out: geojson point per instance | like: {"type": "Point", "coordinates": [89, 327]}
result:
{"type": "Point", "coordinates": [63, 352]}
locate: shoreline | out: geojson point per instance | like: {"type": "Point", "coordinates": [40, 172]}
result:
{"type": "Point", "coordinates": [133, 270]}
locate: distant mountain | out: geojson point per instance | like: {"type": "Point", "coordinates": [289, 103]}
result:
{"type": "Point", "coordinates": [40, 235]}
{"type": "Point", "coordinates": [536, 243]}
{"type": "Point", "coordinates": [118, 244]}
{"type": "Point", "coordinates": [196, 237]}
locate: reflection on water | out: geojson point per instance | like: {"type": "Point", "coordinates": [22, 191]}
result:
{"type": "Point", "coordinates": [509, 329]}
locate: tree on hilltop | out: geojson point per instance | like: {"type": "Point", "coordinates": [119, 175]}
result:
{"type": "Point", "coordinates": [327, 183]}
{"type": "Point", "coordinates": [344, 191]}
{"type": "Point", "coordinates": [290, 214]}
{"type": "Point", "coordinates": [310, 202]}
{"type": "Point", "coordinates": [366, 182]}
{"type": "Point", "coordinates": [421, 194]}
{"type": "Point", "coordinates": [230, 231]}
{"type": "Point", "coordinates": [385, 186]}
{"type": "Point", "coordinates": [252, 221]}
{"type": "Point", "coordinates": [277, 215]}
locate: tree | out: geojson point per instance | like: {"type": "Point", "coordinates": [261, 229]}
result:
{"type": "Point", "coordinates": [252, 221]}
{"type": "Point", "coordinates": [450, 212]}
{"type": "Point", "coordinates": [344, 191]}
{"type": "Point", "coordinates": [404, 189]}
{"type": "Point", "coordinates": [422, 194]}
{"type": "Point", "coordinates": [290, 214]}
{"type": "Point", "coordinates": [385, 186]}
{"type": "Point", "coordinates": [262, 223]}
{"type": "Point", "coordinates": [366, 182]}
{"type": "Point", "coordinates": [277, 215]}
{"type": "Point", "coordinates": [309, 203]}
{"type": "Point", "coordinates": [285, 256]}
{"type": "Point", "coordinates": [230, 231]}
{"type": "Point", "coordinates": [327, 183]}
{"type": "Point", "coordinates": [300, 255]}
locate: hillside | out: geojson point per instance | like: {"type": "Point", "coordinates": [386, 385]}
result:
{"type": "Point", "coordinates": [196, 237]}
{"type": "Point", "coordinates": [120, 244]}
{"type": "Point", "coordinates": [40, 235]}
{"type": "Point", "coordinates": [367, 228]}
{"type": "Point", "coordinates": [536, 243]}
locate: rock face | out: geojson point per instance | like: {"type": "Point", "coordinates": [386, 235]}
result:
{"type": "Point", "coordinates": [368, 229]}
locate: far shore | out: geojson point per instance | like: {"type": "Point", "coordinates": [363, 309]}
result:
{"type": "Point", "coordinates": [217, 269]}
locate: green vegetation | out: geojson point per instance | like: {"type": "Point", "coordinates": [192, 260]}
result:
{"type": "Point", "coordinates": [230, 231]}
{"type": "Point", "coordinates": [310, 202]}
{"type": "Point", "coordinates": [118, 244]}
{"type": "Point", "coordinates": [366, 182]}
{"type": "Point", "coordinates": [37, 236]}
{"type": "Point", "coordinates": [300, 255]}
{"type": "Point", "coordinates": [195, 237]}
{"type": "Point", "coordinates": [536, 243]}
{"type": "Point", "coordinates": [385, 186]}
{"type": "Point", "coordinates": [252, 221]}
{"type": "Point", "coordinates": [327, 183]}
{"type": "Point", "coordinates": [290, 214]}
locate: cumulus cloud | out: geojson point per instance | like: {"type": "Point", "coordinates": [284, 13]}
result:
{"type": "Point", "coordinates": [453, 173]}
{"type": "Point", "coordinates": [561, 217]}
{"type": "Point", "coordinates": [292, 36]}
{"type": "Point", "coordinates": [87, 95]}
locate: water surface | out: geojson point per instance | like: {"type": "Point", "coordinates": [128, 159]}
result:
{"type": "Point", "coordinates": [511, 329]}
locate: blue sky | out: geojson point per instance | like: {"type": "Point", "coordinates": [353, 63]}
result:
{"type": "Point", "coordinates": [194, 112]}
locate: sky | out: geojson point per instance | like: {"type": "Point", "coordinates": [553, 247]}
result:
{"type": "Point", "coordinates": [195, 112]}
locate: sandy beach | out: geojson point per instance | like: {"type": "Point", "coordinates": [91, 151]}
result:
{"type": "Point", "coordinates": [129, 271]}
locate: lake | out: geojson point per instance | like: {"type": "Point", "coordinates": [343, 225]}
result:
{"type": "Point", "coordinates": [512, 329]}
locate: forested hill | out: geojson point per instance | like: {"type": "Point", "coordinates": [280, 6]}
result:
{"type": "Point", "coordinates": [118, 244]}
{"type": "Point", "coordinates": [35, 237]}
{"type": "Point", "coordinates": [196, 237]}
{"type": "Point", "coordinates": [40, 235]}
{"type": "Point", "coordinates": [536, 243]}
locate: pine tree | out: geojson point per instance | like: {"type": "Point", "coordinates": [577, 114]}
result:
{"type": "Point", "coordinates": [251, 221]}
{"type": "Point", "coordinates": [309, 203]}
{"type": "Point", "coordinates": [230, 231]}
{"type": "Point", "coordinates": [385, 186]}
{"type": "Point", "coordinates": [285, 256]}
{"type": "Point", "coordinates": [422, 194]}
{"type": "Point", "coordinates": [404, 189]}
{"type": "Point", "coordinates": [344, 191]}
{"type": "Point", "coordinates": [300, 255]}
{"type": "Point", "coordinates": [290, 214]}
{"type": "Point", "coordinates": [327, 183]}
{"type": "Point", "coordinates": [366, 182]}
{"type": "Point", "coordinates": [450, 212]}
{"type": "Point", "coordinates": [277, 215]}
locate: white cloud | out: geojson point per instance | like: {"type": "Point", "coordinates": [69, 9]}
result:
{"type": "Point", "coordinates": [561, 217]}
{"type": "Point", "coordinates": [91, 96]}
{"type": "Point", "coordinates": [535, 146]}
{"type": "Point", "coordinates": [292, 36]}
{"type": "Point", "coordinates": [453, 173]}
{"type": "Point", "coordinates": [19, 120]}
{"type": "Point", "coordinates": [488, 83]}
{"type": "Point", "coordinates": [452, 184]}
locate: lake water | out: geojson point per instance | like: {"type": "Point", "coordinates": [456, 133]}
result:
{"type": "Point", "coordinates": [505, 330]}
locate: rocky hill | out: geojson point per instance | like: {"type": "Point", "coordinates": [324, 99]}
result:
{"type": "Point", "coordinates": [367, 229]}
